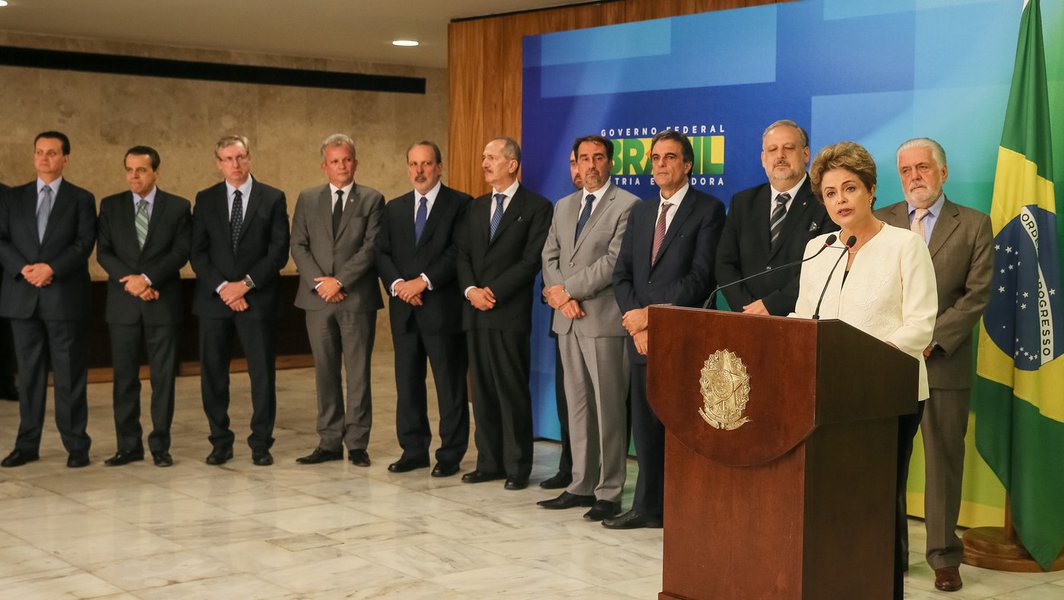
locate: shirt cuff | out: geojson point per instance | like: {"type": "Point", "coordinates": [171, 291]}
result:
{"type": "Point", "coordinates": [391, 288]}
{"type": "Point", "coordinates": [425, 278]}
{"type": "Point", "coordinates": [466, 292]}
{"type": "Point", "coordinates": [218, 290]}
{"type": "Point", "coordinates": [146, 278]}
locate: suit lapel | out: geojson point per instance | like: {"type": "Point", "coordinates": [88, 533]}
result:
{"type": "Point", "coordinates": [60, 207]}
{"type": "Point", "coordinates": [157, 212]}
{"type": "Point", "coordinates": [687, 206]}
{"type": "Point", "coordinates": [945, 225]}
{"type": "Point", "coordinates": [796, 218]}
{"type": "Point", "coordinates": [324, 207]}
{"type": "Point", "coordinates": [253, 206]}
{"type": "Point", "coordinates": [509, 216]}
{"type": "Point", "coordinates": [438, 206]}
{"type": "Point", "coordinates": [759, 216]}
{"type": "Point", "coordinates": [602, 205]}
{"type": "Point", "coordinates": [349, 209]}
{"type": "Point", "coordinates": [29, 206]}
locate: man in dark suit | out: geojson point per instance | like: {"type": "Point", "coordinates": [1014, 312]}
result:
{"type": "Point", "coordinates": [8, 389]}
{"type": "Point", "coordinates": [144, 240]}
{"type": "Point", "coordinates": [499, 246]}
{"type": "Point", "coordinates": [961, 244]}
{"type": "Point", "coordinates": [416, 258]}
{"type": "Point", "coordinates": [666, 257]}
{"type": "Point", "coordinates": [239, 246]}
{"type": "Point", "coordinates": [769, 225]}
{"type": "Point", "coordinates": [333, 233]}
{"type": "Point", "coordinates": [47, 230]}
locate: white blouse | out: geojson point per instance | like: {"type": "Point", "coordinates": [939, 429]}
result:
{"type": "Point", "coordinates": [890, 292]}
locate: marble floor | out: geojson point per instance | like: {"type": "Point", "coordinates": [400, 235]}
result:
{"type": "Point", "coordinates": [325, 531]}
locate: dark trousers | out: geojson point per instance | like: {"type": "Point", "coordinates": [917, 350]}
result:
{"type": "Point", "coordinates": [907, 427]}
{"type": "Point", "coordinates": [160, 341]}
{"type": "Point", "coordinates": [8, 360]}
{"type": "Point", "coordinates": [500, 362]}
{"type": "Point", "coordinates": [64, 343]}
{"type": "Point", "coordinates": [447, 355]}
{"type": "Point", "coordinates": [565, 461]}
{"type": "Point", "coordinates": [216, 349]}
{"type": "Point", "coordinates": [649, 436]}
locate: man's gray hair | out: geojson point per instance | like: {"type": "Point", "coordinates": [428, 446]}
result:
{"type": "Point", "coordinates": [788, 123]}
{"type": "Point", "coordinates": [338, 139]}
{"type": "Point", "coordinates": [510, 148]}
{"type": "Point", "coordinates": [231, 140]}
{"type": "Point", "coordinates": [937, 152]}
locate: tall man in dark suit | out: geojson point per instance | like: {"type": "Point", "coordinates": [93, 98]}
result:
{"type": "Point", "coordinates": [499, 246]}
{"type": "Point", "coordinates": [666, 257]}
{"type": "Point", "coordinates": [961, 243]}
{"type": "Point", "coordinates": [578, 261]}
{"type": "Point", "coordinates": [8, 389]}
{"type": "Point", "coordinates": [333, 233]}
{"type": "Point", "coordinates": [769, 225]}
{"type": "Point", "coordinates": [144, 240]}
{"type": "Point", "coordinates": [239, 246]}
{"type": "Point", "coordinates": [416, 258]}
{"type": "Point", "coordinates": [47, 230]}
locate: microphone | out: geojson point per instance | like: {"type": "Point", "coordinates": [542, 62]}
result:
{"type": "Point", "coordinates": [827, 243]}
{"type": "Point", "coordinates": [850, 243]}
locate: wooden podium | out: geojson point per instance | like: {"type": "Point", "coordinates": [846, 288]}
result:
{"type": "Point", "coordinates": [798, 502]}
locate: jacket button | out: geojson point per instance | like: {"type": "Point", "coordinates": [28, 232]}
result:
{"type": "Point", "coordinates": [650, 281]}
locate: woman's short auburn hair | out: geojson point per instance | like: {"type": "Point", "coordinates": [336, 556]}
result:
{"type": "Point", "coordinates": [844, 155]}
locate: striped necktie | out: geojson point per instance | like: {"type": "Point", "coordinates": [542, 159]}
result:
{"type": "Point", "coordinates": [779, 213]}
{"type": "Point", "coordinates": [497, 217]}
{"type": "Point", "coordinates": [141, 221]}
{"type": "Point", "coordinates": [659, 232]}
{"type": "Point", "coordinates": [44, 208]}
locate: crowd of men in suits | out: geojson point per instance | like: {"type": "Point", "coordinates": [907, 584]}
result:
{"type": "Point", "coordinates": [460, 273]}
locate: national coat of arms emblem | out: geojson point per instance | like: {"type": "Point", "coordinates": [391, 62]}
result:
{"type": "Point", "coordinates": [725, 389]}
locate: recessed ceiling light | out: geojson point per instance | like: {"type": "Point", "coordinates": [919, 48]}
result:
{"type": "Point", "coordinates": [404, 43]}
{"type": "Point", "coordinates": [3, 3]}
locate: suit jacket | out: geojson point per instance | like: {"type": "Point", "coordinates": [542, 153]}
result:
{"type": "Point", "coordinates": [165, 251]}
{"type": "Point", "coordinates": [746, 247]}
{"type": "Point", "coordinates": [508, 264]}
{"type": "Point", "coordinates": [961, 248]}
{"type": "Point", "coordinates": [684, 273]}
{"type": "Point", "coordinates": [347, 257]}
{"type": "Point", "coordinates": [435, 255]}
{"type": "Point", "coordinates": [262, 250]}
{"type": "Point", "coordinates": [584, 265]}
{"type": "Point", "coordinates": [67, 244]}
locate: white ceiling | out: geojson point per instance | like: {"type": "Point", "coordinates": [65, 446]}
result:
{"type": "Point", "coordinates": [359, 30]}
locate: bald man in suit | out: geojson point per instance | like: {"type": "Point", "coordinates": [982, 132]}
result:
{"type": "Point", "coordinates": [961, 244]}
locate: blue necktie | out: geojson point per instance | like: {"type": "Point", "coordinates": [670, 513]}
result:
{"type": "Point", "coordinates": [420, 218]}
{"type": "Point", "coordinates": [584, 216]}
{"type": "Point", "coordinates": [497, 217]}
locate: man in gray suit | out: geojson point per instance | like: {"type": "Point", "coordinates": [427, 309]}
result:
{"type": "Point", "coordinates": [578, 261]}
{"type": "Point", "coordinates": [961, 244]}
{"type": "Point", "coordinates": [333, 233]}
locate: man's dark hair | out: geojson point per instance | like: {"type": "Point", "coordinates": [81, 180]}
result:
{"type": "Point", "coordinates": [596, 139]}
{"type": "Point", "coordinates": [144, 151]}
{"type": "Point", "coordinates": [685, 143]}
{"type": "Point", "coordinates": [54, 135]}
{"type": "Point", "coordinates": [430, 144]}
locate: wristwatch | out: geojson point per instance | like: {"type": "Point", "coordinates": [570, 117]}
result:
{"type": "Point", "coordinates": [248, 283]}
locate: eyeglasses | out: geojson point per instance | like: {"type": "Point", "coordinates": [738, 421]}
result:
{"type": "Point", "coordinates": [243, 158]}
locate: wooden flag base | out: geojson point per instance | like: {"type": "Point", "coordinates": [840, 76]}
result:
{"type": "Point", "coordinates": [1000, 549]}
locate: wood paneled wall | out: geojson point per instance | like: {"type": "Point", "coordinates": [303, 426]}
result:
{"type": "Point", "coordinates": [484, 64]}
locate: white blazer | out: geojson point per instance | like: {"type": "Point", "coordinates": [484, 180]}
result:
{"type": "Point", "coordinates": [889, 293]}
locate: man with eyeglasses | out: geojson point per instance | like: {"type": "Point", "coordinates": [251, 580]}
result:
{"type": "Point", "coordinates": [239, 246]}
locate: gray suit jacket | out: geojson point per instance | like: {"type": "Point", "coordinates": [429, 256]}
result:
{"type": "Point", "coordinates": [961, 247]}
{"type": "Point", "coordinates": [584, 266]}
{"type": "Point", "coordinates": [347, 257]}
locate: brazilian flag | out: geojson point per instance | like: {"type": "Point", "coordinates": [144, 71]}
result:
{"type": "Point", "coordinates": [1019, 391]}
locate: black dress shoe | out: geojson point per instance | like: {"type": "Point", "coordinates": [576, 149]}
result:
{"type": "Point", "coordinates": [162, 459]}
{"type": "Point", "coordinates": [559, 481]}
{"type": "Point", "coordinates": [124, 458]}
{"type": "Point", "coordinates": [220, 455]}
{"type": "Point", "coordinates": [261, 458]}
{"type": "Point", "coordinates": [17, 458]}
{"type": "Point", "coordinates": [359, 458]}
{"type": "Point", "coordinates": [567, 500]}
{"type": "Point", "coordinates": [633, 519]}
{"type": "Point", "coordinates": [443, 469]}
{"type": "Point", "coordinates": [602, 509]}
{"type": "Point", "coordinates": [78, 459]}
{"type": "Point", "coordinates": [404, 465]}
{"type": "Point", "coordinates": [481, 477]}
{"type": "Point", "coordinates": [516, 483]}
{"type": "Point", "coordinates": [319, 456]}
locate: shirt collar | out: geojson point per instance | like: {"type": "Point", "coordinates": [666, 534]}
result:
{"type": "Point", "coordinates": [793, 192]}
{"type": "Point", "coordinates": [245, 188]}
{"type": "Point", "coordinates": [346, 189]}
{"type": "Point", "coordinates": [431, 194]}
{"type": "Point", "coordinates": [508, 192]}
{"type": "Point", "coordinates": [54, 185]}
{"type": "Point", "coordinates": [599, 193]}
{"type": "Point", "coordinates": [678, 197]}
{"type": "Point", "coordinates": [934, 209]}
{"type": "Point", "coordinates": [149, 197]}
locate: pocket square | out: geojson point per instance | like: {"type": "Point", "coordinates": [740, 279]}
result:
{"type": "Point", "coordinates": [814, 226]}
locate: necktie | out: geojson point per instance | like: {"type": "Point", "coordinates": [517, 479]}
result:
{"type": "Point", "coordinates": [659, 232]}
{"type": "Point", "coordinates": [236, 220]}
{"type": "Point", "coordinates": [917, 226]}
{"type": "Point", "coordinates": [779, 212]}
{"type": "Point", "coordinates": [43, 210]}
{"type": "Point", "coordinates": [420, 218]}
{"type": "Point", "coordinates": [141, 221]}
{"type": "Point", "coordinates": [584, 216]}
{"type": "Point", "coordinates": [497, 217]}
{"type": "Point", "coordinates": [338, 212]}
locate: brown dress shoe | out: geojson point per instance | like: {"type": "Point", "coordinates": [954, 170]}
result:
{"type": "Point", "coordinates": [948, 579]}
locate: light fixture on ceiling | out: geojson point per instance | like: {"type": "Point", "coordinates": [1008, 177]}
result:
{"type": "Point", "coordinates": [3, 3]}
{"type": "Point", "coordinates": [401, 43]}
